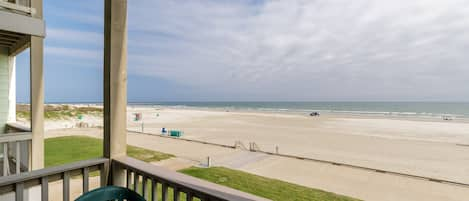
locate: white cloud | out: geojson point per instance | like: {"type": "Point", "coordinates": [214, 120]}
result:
{"type": "Point", "coordinates": [74, 36]}
{"type": "Point", "coordinates": [74, 48]}
{"type": "Point", "coordinates": [84, 12]}
{"type": "Point", "coordinates": [302, 49]}
{"type": "Point", "coordinates": [74, 53]}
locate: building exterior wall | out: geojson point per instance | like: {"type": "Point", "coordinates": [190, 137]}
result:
{"type": "Point", "coordinates": [4, 85]}
{"type": "Point", "coordinates": [12, 89]}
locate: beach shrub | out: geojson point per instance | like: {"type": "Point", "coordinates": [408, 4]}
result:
{"type": "Point", "coordinates": [58, 112]}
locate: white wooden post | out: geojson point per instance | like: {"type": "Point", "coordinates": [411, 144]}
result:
{"type": "Point", "coordinates": [37, 94]}
{"type": "Point", "coordinates": [115, 83]}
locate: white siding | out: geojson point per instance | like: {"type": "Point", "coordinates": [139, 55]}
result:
{"type": "Point", "coordinates": [4, 80]}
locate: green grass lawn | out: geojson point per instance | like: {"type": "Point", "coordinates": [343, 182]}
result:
{"type": "Point", "coordinates": [264, 187]}
{"type": "Point", "coordinates": [63, 150]}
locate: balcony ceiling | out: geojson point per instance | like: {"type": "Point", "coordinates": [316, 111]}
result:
{"type": "Point", "coordinates": [16, 28]}
{"type": "Point", "coordinates": [13, 41]}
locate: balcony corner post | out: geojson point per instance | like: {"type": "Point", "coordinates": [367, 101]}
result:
{"type": "Point", "coordinates": [37, 94]}
{"type": "Point", "coordinates": [115, 84]}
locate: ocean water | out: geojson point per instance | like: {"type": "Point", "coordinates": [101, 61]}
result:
{"type": "Point", "coordinates": [409, 109]}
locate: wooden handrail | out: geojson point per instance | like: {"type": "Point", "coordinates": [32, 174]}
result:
{"type": "Point", "coordinates": [37, 174]}
{"type": "Point", "coordinates": [191, 186]}
{"type": "Point", "coordinates": [14, 137]}
{"type": "Point", "coordinates": [138, 173]}
{"type": "Point", "coordinates": [42, 177]}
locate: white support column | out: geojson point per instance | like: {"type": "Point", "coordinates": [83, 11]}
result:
{"type": "Point", "coordinates": [37, 94]}
{"type": "Point", "coordinates": [115, 83]}
{"type": "Point", "coordinates": [11, 89]}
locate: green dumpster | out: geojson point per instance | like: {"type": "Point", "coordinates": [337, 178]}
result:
{"type": "Point", "coordinates": [175, 133]}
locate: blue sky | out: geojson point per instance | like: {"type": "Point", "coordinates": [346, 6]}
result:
{"type": "Point", "coordinates": [254, 50]}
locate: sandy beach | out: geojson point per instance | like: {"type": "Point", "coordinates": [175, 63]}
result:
{"type": "Point", "coordinates": [429, 148]}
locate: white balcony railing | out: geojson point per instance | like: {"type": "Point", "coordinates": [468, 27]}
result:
{"type": "Point", "coordinates": [15, 153]}
{"type": "Point", "coordinates": [18, 183]}
{"type": "Point", "coordinates": [149, 176]}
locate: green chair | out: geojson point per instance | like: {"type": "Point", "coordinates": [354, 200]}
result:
{"type": "Point", "coordinates": [111, 193]}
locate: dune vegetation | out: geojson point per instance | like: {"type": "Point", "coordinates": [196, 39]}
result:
{"type": "Point", "coordinates": [59, 112]}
